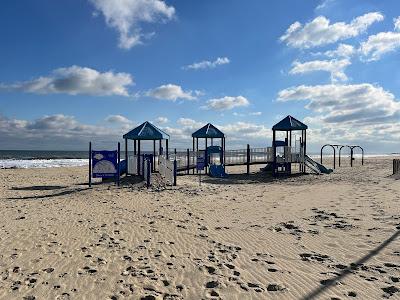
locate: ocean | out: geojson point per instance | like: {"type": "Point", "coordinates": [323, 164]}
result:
{"type": "Point", "coordinates": [17, 159]}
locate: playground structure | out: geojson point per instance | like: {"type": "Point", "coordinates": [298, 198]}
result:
{"type": "Point", "coordinates": [340, 147]}
{"type": "Point", "coordinates": [284, 155]}
{"type": "Point", "coordinates": [286, 152]}
{"type": "Point", "coordinates": [105, 164]}
{"type": "Point", "coordinates": [145, 164]}
{"type": "Point", "coordinates": [144, 132]}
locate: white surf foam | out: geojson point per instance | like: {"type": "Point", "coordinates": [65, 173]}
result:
{"type": "Point", "coordinates": [41, 163]}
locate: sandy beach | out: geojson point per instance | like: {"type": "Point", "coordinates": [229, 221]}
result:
{"type": "Point", "coordinates": [245, 237]}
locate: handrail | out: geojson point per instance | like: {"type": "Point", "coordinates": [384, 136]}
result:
{"type": "Point", "coordinates": [340, 150]}
{"type": "Point", "coordinates": [362, 153]}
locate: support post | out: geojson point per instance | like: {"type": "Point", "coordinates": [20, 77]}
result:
{"type": "Point", "coordinates": [274, 153]}
{"type": "Point", "coordinates": [188, 160]}
{"type": "Point", "coordinates": [197, 152]}
{"type": "Point", "coordinates": [119, 165]}
{"type": "Point", "coordinates": [248, 159]}
{"type": "Point", "coordinates": [166, 148]}
{"type": "Point", "coordinates": [351, 157]}
{"type": "Point", "coordinates": [334, 158]}
{"type": "Point", "coordinates": [175, 170]}
{"type": "Point", "coordinates": [90, 164]}
{"type": "Point", "coordinates": [149, 167]}
{"type": "Point", "coordinates": [194, 153]}
{"type": "Point", "coordinates": [305, 148]}
{"type": "Point", "coordinates": [153, 167]}
{"type": "Point", "coordinates": [138, 157]}
{"type": "Point", "coordinates": [126, 155]}
{"type": "Point", "coordinates": [223, 149]}
{"type": "Point", "coordinates": [134, 147]}
{"type": "Point", "coordinates": [206, 158]}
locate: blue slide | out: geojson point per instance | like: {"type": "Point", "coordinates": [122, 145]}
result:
{"type": "Point", "coordinates": [217, 171]}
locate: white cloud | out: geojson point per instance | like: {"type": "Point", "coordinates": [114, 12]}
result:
{"type": "Point", "coordinates": [343, 50]}
{"type": "Point", "coordinates": [76, 80]}
{"type": "Point", "coordinates": [117, 119]}
{"type": "Point", "coordinates": [206, 64]}
{"type": "Point", "coordinates": [324, 4]}
{"type": "Point", "coordinates": [55, 132]}
{"type": "Point", "coordinates": [361, 114]}
{"type": "Point", "coordinates": [335, 67]}
{"type": "Point", "coordinates": [351, 104]}
{"type": "Point", "coordinates": [256, 113]}
{"type": "Point", "coordinates": [380, 44]}
{"type": "Point", "coordinates": [226, 103]}
{"type": "Point", "coordinates": [320, 32]}
{"type": "Point", "coordinates": [187, 122]}
{"type": "Point", "coordinates": [161, 120]}
{"type": "Point", "coordinates": [396, 22]}
{"type": "Point", "coordinates": [126, 17]}
{"type": "Point", "coordinates": [172, 92]}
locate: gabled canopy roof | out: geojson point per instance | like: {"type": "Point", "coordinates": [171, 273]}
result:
{"type": "Point", "coordinates": [208, 131]}
{"type": "Point", "coordinates": [289, 123]}
{"type": "Point", "coordinates": [146, 131]}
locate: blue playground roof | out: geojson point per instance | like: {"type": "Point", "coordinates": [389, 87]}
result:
{"type": "Point", "coordinates": [208, 131]}
{"type": "Point", "coordinates": [146, 131]}
{"type": "Point", "coordinates": [289, 123]}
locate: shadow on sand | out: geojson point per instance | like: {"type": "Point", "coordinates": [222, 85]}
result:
{"type": "Point", "coordinates": [349, 270]}
{"type": "Point", "coordinates": [124, 181]}
{"type": "Point", "coordinates": [62, 193]}
{"type": "Point", "coordinates": [38, 188]}
{"type": "Point", "coordinates": [259, 177]}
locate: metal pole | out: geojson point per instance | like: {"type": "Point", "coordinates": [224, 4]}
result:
{"type": "Point", "coordinates": [206, 158]}
{"type": "Point", "coordinates": [197, 151]}
{"type": "Point", "coordinates": [274, 153]}
{"type": "Point", "coordinates": [166, 148]}
{"type": "Point", "coordinates": [193, 150]}
{"type": "Point", "coordinates": [334, 158]}
{"type": "Point", "coordinates": [175, 170]}
{"type": "Point", "coordinates": [126, 155]}
{"type": "Point", "coordinates": [248, 159]}
{"type": "Point", "coordinates": [351, 156]}
{"type": "Point", "coordinates": [119, 165]}
{"type": "Point", "coordinates": [305, 147]}
{"type": "Point", "coordinates": [188, 160]}
{"type": "Point", "coordinates": [90, 164]}
{"type": "Point", "coordinates": [138, 157]}
{"type": "Point", "coordinates": [154, 156]}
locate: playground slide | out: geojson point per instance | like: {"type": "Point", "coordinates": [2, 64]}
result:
{"type": "Point", "coordinates": [122, 169]}
{"type": "Point", "coordinates": [217, 171]}
{"type": "Point", "coordinates": [316, 167]}
{"type": "Point", "coordinates": [268, 168]}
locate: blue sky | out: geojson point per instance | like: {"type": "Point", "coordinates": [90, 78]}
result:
{"type": "Point", "coordinates": [74, 71]}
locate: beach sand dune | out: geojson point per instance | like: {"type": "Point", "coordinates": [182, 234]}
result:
{"type": "Point", "coordinates": [245, 237]}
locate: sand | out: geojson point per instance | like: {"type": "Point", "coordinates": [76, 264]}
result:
{"type": "Point", "coordinates": [246, 237]}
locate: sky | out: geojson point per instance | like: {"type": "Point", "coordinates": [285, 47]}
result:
{"type": "Point", "coordinates": [91, 70]}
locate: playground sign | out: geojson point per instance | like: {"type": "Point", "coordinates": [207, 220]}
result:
{"type": "Point", "coordinates": [201, 162]}
{"type": "Point", "coordinates": [104, 164]}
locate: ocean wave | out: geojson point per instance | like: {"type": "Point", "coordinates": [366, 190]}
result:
{"type": "Point", "coordinates": [41, 163]}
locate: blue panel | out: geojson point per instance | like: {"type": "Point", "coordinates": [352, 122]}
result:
{"type": "Point", "coordinates": [104, 164]}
